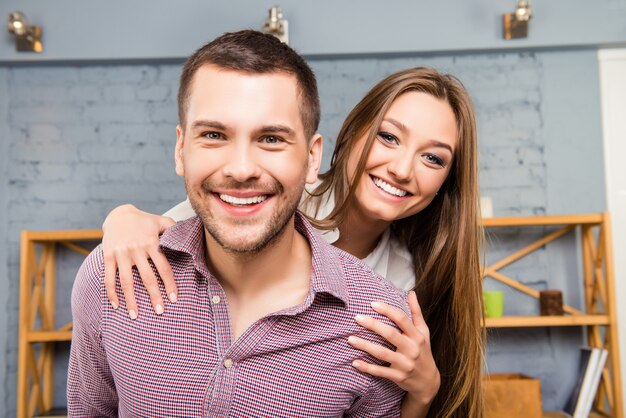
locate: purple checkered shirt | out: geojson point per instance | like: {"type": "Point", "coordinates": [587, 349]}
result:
{"type": "Point", "coordinates": [183, 363]}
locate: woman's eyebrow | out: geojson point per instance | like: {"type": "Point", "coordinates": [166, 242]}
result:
{"type": "Point", "coordinates": [404, 129]}
{"type": "Point", "coordinates": [397, 124]}
{"type": "Point", "coordinates": [439, 144]}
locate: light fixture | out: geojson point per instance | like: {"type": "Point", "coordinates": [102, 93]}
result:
{"type": "Point", "coordinates": [276, 25]}
{"type": "Point", "coordinates": [27, 37]}
{"type": "Point", "coordinates": [515, 25]}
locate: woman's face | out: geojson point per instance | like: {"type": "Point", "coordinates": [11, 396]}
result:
{"type": "Point", "coordinates": [409, 159]}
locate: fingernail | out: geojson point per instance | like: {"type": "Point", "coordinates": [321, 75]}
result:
{"type": "Point", "coordinates": [132, 314]}
{"type": "Point", "coordinates": [356, 363]}
{"type": "Point", "coordinates": [375, 305]}
{"type": "Point", "coordinates": [173, 297]}
{"type": "Point", "coordinates": [114, 305]}
{"type": "Point", "coordinates": [359, 318]}
{"type": "Point", "coordinates": [158, 309]}
{"type": "Point", "coordinates": [352, 339]}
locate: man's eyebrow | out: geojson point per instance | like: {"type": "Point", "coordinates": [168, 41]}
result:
{"type": "Point", "coordinates": [208, 124]}
{"type": "Point", "coordinates": [277, 129]}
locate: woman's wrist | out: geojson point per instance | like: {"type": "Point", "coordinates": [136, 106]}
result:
{"type": "Point", "coordinates": [415, 406]}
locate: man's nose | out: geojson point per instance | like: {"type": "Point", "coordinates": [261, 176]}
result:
{"type": "Point", "coordinates": [242, 164]}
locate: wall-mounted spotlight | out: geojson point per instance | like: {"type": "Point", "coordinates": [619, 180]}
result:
{"type": "Point", "coordinates": [27, 37]}
{"type": "Point", "coordinates": [515, 25]}
{"type": "Point", "coordinates": [276, 25]}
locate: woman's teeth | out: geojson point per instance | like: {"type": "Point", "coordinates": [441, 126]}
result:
{"type": "Point", "coordinates": [389, 188]}
{"type": "Point", "coordinates": [242, 200]}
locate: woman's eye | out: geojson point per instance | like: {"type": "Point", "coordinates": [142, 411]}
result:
{"type": "Point", "coordinates": [433, 159]}
{"type": "Point", "coordinates": [388, 138]}
{"type": "Point", "coordinates": [213, 135]}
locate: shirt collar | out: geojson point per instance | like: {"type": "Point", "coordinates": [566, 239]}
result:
{"type": "Point", "coordinates": [326, 273]}
{"type": "Point", "coordinates": [187, 237]}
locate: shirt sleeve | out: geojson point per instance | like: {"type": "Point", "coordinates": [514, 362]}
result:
{"type": "Point", "coordinates": [383, 399]}
{"type": "Point", "coordinates": [181, 212]}
{"type": "Point", "coordinates": [90, 386]}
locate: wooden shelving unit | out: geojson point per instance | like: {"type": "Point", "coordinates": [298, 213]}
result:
{"type": "Point", "coordinates": [37, 331]}
{"type": "Point", "coordinates": [599, 314]}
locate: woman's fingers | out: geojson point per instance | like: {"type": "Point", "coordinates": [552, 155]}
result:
{"type": "Point", "coordinates": [402, 342]}
{"type": "Point", "coordinates": [165, 273]}
{"type": "Point", "coordinates": [397, 359]}
{"type": "Point", "coordinates": [416, 313]}
{"type": "Point", "coordinates": [398, 317]}
{"type": "Point", "coordinates": [125, 269]}
{"type": "Point", "coordinates": [380, 371]}
{"type": "Point", "coordinates": [149, 281]}
{"type": "Point", "coordinates": [110, 272]}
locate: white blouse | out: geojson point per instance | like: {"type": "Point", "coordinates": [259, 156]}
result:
{"type": "Point", "coordinates": [389, 259]}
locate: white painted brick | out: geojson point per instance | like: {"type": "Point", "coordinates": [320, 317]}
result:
{"type": "Point", "coordinates": [44, 133]}
{"type": "Point", "coordinates": [52, 152]}
{"type": "Point", "coordinates": [162, 113]}
{"type": "Point", "coordinates": [106, 113]}
{"type": "Point", "coordinates": [154, 93]}
{"type": "Point", "coordinates": [29, 95]}
{"type": "Point", "coordinates": [85, 93]}
{"type": "Point", "coordinates": [44, 76]}
{"type": "Point", "coordinates": [44, 114]}
{"type": "Point", "coordinates": [123, 93]}
{"type": "Point", "coordinates": [91, 153]}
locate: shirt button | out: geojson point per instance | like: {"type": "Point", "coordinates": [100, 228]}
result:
{"type": "Point", "coordinates": [216, 299]}
{"type": "Point", "coordinates": [228, 363]}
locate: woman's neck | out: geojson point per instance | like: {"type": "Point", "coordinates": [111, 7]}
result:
{"type": "Point", "coordinates": [359, 237]}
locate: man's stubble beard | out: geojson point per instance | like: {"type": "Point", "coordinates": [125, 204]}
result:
{"type": "Point", "coordinates": [276, 225]}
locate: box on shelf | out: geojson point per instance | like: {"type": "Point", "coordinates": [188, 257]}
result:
{"type": "Point", "coordinates": [512, 395]}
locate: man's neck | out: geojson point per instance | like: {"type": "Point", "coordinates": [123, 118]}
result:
{"type": "Point", "coordinates": [273, 279]}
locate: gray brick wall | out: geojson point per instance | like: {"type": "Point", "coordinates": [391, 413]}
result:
{"type": "Point", "coordinates": [77, 141]}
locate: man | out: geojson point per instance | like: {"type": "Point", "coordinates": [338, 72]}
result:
{"type": "Point", "coordinates": [265, 306]}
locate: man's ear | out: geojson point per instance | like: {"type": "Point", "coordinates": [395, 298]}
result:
{"type": "Point", "coordinates": [178, 151]}
{"type": "Point", "coordinates": [316, 148]}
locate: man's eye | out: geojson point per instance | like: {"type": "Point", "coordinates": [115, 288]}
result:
{"type": "Point", "coordinates": [272, 139]}
{"type": "Point", "coordinates": [213, 135]}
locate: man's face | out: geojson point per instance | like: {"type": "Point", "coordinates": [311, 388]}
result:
{"type": "Point", "coordinates": [244, 155]}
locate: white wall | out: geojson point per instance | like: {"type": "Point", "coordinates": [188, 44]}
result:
{"type": "Point", "coordinates": [613, 92]}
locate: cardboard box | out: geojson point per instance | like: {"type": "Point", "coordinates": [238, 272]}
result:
{"type": "Point", "coordinates": [512, 396]}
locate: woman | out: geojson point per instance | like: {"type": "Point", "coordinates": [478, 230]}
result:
{"type": "Point", "coordinates": [401, 194]}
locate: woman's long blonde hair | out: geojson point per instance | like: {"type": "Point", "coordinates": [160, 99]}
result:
{"type": "Point", "coordinates": [445, 238]}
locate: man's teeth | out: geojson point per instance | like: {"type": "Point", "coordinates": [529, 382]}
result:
{"type": "Point", "coordinates": [242, 200]}
{"type": "Point", "coordinates": [389, 188]}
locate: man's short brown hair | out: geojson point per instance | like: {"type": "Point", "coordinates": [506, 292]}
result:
{"type": "Point", "coordinates": [254, 52]}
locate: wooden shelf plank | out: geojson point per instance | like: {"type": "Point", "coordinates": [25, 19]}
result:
{"type": "Point", "coordinates": [559, 414]}
{"type": "Point", "coordinates": [68, 235]}
{"type": "Point", "coordinates": [47, 336]}
{"type": "Point", "coordinates": [517, 221]}
{"type": "Point", "coordinates": [546, 321]}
